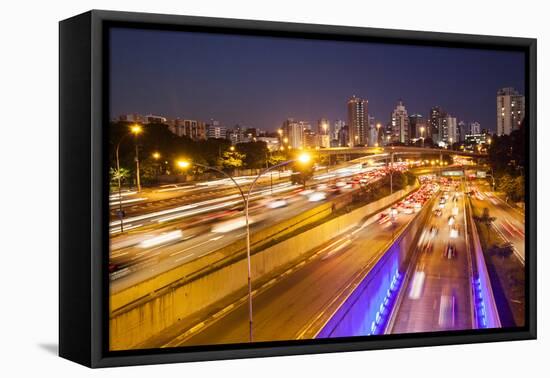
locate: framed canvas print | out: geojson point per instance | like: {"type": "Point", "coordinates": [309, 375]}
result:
{"type": "Point", "coordinates": [233, 188]}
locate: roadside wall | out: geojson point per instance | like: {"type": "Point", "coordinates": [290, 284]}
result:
{"type": "Point", "coordinates": [365, 310]}
{"type": "Point", "coordinates": [140, 319]}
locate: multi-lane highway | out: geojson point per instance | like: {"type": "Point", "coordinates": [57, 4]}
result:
{"type": "Point", "coordinates": [509, 222]}
{"type": "Point", "coordinates": [159, 240]}
{"type": "Point", "coordinates": [285, 306]}
{"type": "Point", "coordinates": [437, 295]}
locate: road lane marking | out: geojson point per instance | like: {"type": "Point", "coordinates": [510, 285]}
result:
{"type": "Point", "coordinates": [194, 246]}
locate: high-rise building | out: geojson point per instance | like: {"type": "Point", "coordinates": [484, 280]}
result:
{"type": "Point", "coordinates": [335, 134]}
{"type": "Point", "coordinates": [400, 124]}
{"type": "Point", "coordinates": [357, 121]}
{"type": "Point", "coordinates": [310, 139]}
{"type": "Point", "coordinates": [510, 110]}
{"type": "Point", "coordinates": [323, 127]}
{"type": "Point", "coordinates": [452, 134]}
{"type": "Point", "coordinates": [373, 133]}
{"type": "Point", "coordinates": [235, 135]}
{"type": "Point", "coordinates": [323, 133]}
{"type": "Point", "coordinates": [343, 136]}
{"type": "Point", "coordinates": [437, 124]}
{"type": "Point", "coordinates": [293, 133]}
{"type": "Point", "coordinates": [463, 129]}
{"type": "Point", "coordinates": [418, 127]}
{"type": "Point", "coordinates": [195, 130]}
{"type": "Point", "coordinates": [474, 128]}
{"type": "Point", "coordinates": [215, 130]}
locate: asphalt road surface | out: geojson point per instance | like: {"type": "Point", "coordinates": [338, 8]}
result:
{"type": "Point", "coordinates": [437, 295]}
{"type": "Point", "coordinates": [509, 222]}
{"type": "Point", "coordinates": [283, 310]}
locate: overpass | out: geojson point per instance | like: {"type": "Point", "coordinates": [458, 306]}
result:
{"type": "Point", "coordinates": [397, 150]}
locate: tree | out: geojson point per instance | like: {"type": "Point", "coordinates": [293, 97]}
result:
{"type": "Point", "coordinates": [276, 158]}
{"type": "Point", "coordinates": [513, 187]}
{"type": "Point", "coordinates": [115, 174]}
{"type": "Point", "coordinates": [301, 173]}
{"type": "Point", "coordinates": [487, 221]}
{"type": "Point", "coordinates": [232, 160]}
{"type": "Point", "coordinates": [255, 154]}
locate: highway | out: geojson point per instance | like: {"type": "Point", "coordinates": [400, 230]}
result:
{"type": "Point", "coordinates": [437, 295]}
{"type": "Point", "coordinates": [141, 260]}
{"type": "Point", "coordinates": [172, 195]}
{"type": "Point", "coordinates": [509, 222]}
{"type": "Point", "coordinates": [284, 307]}
{"type": "Point", "coordinates": [165, 239]}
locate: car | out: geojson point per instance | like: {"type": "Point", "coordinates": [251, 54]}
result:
{"type": "Point", "coordinates": [450, 251]}
{"type": "Point", "coordinates": [454, 232]}
{"type": "Point", "coordinates": [316, 197]}
{"type": "Point", "coordinates": [383, 218]}
{"type": "Point", "coordinates": [408, 210]}
{"type": "Point", "coordinates": [277, 203]}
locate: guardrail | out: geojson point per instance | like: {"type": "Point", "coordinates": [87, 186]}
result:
{"type": "Point", "coordinates": [485, 306]}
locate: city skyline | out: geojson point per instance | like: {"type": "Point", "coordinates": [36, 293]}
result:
{"type": "Point", "coordinates": [315, 87]}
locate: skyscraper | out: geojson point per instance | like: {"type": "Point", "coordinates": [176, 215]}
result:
{"type": "Point", "coordinates": [357, 121]}
{"type": "Point", "coordinates": [510, 110]}
{"type": "Point", "coordinates": [418, 127]}
{"type": "Point", "coordinates": [452, 134]}
{"type": "Point", "coordinates": [437, 124]}
{"type": "Point", "coordinates": [475, 128]}
{"type": "Point", "coordinates": [293, 133]}
{"type": "Point", "coordinates": [373, 133]}
{"type": "Point", "coordinates": [400, 124]}
{"type": "Point", "coordinates": [463, 129]}
{"type": "Point", "coordinates": [323, 133]}
{"type": "Point", "coordinates": [336, 131]}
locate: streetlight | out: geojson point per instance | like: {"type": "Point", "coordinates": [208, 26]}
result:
{"type": "Point", "coordinates": [303, 158]}
{"type": "Point", "coordinates": [422, 135]}
{"type": "Point", "coordinates": [135, 130]}
{"type": "Point", "coordinates": [156, 156]}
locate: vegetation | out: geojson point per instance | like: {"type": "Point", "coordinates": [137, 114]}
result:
{"type": "Point", "coordinates": [486, 220]}
{"type": "Point", "coordinates": [513, 187]}
{"type": "Point", "coordinates": [160, 149]}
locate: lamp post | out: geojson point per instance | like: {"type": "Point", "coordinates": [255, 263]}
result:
{"type": "Point", "coordinates": [422, 135]}
{"type": "Point", "coordinates": [135, 130]}
{"type": "Point", "coordinates": [156, 156]}
{"type": "Point", "coordinates": [304, 159]}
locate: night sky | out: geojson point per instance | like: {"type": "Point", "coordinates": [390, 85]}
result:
{"type": "Point", "coordinates": [261, 81]}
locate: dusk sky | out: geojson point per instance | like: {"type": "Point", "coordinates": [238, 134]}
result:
{"type": "Point", "coordinates": [261, 81]}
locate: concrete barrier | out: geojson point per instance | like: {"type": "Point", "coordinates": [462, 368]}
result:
{"type": "Point", "coordinates": [148, 315]}
{"type": "Point", "coordinates": [486, 309]}
{"type": "Point", "coordinates": [365, 308]}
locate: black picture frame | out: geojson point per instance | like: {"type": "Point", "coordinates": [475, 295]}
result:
{"type": "Point", "coordinates": [83, 196]}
